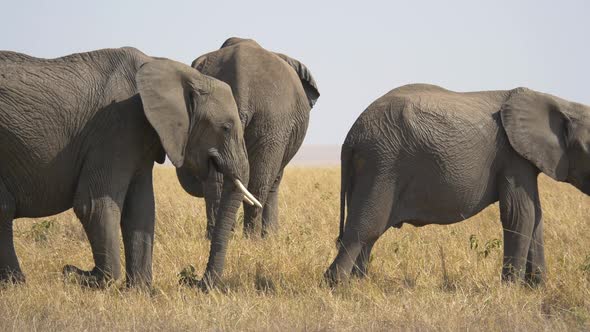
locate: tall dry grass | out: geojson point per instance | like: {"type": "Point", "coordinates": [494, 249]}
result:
{"type": "Point", "coordinates": [430, 278]}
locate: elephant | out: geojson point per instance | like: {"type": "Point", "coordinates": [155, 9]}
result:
{"type": "Point", "coordinates": [274, 94]}
{"type": "Point", "coordinates": [423, 155]}
{"type": "Point", "coordinates": [83, 131]}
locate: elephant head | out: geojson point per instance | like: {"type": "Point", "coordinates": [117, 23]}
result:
{"type": "Point", "coordinates": [237, 40]}
{"type": "Point", "coordinates": [552, 133]}
{"type": "Point", "coordinates": [196, 119]}
{"type": "Point", "coordinates": [307, 81]}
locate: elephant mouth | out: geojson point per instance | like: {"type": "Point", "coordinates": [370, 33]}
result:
{"type": "Point", "coordinates": [216, 162]}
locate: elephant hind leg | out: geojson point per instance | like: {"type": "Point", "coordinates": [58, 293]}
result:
{"type": "Point", "coordinates": [264, 169]}
{"type": "Point", "coordinates": [361, 266]}
{"type": "Point", "coordinates": [9, 267]}
{"type": "Point", "coordinates": [270, 213]}
{"type": "Point", "coordinates": [353, 255]}
{"type": "Point", "coordinates": [369, 215]}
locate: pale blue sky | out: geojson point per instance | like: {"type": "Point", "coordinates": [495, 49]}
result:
{"type": "Point", "coordinates": [356, 50]}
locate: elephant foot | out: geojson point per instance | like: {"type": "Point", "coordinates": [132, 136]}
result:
{"type": "Point", "coordinates": [268, 231]}
{"type": "Point", "coordinates": [90, 279]}
{"type": "Point", "coordinates": [147, 290]}
{"type": "Point", "coordinates": [188, 278]}
{"type": "Point", "coordinates": [512, 275]}
{"type": "Point", "coordinates": [201, 284]}
{"type": "Point", "coordinates": [251, 234]}
{"type": "Point", "coordinates": [534, 280]}
{"type": "Point", "coordinates": [9, 277]}
{"type": "Point", "coordinates": [138, 283]}
{"type": "Point", "coordinates": [249, 229]}
{"type": "Point", "coordinates": [358, 272]}
{"type": "Point", "coordinates": [331, 278]}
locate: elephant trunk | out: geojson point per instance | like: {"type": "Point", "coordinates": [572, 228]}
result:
{"type": "Point", "coordinates": [213, 190]}
{"type": "Point", "coordinates": [232, 161]}
{"type": "Point", "coordinates": [231, 199]}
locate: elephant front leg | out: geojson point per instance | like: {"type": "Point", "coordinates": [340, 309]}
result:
{"type": "Point", "coordinates": [10, 271]}
{"type": "Point", "coordinates": [517, 211]}
{"type": "Point", "coordinates": [137, 226]}
{"type": "Point", "coordinates": [535, 267]}
{"type": "Point", "coordinates": [101, 218]}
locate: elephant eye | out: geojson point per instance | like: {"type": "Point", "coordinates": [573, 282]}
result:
{"type": "Point", "coordinates": [226, 127]}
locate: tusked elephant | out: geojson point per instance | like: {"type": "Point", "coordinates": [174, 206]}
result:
{"type": "Point", "coordinates": [425, 155]}
{"type": "Point", "coordinates": [84, 130]}
{"type": "Point", "coordinates": [274, 94]}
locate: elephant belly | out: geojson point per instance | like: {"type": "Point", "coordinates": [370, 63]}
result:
{"type": "Point", "coordinates": [43, 201]}
{"type": "Point", "coordinates": [41, 190]}
{"type": "Point", "coordinates": [437, 195]}
{"type": "Point", "coordinates": [442, 211]}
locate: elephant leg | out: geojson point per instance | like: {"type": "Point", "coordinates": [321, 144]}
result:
{"type": "Point", "coordinates": [99, 210]}
{"type": "Point", "coordinates": [535, 267]}
{"type": "Point", "coordinates": [517, 211]}
{"type": "Point", "coordinates": [137, 225]}
{"type": "Point", "coordinates": [9, 267]}
{"type": "Point", "coordinates": [253, 214]}
{"type": "Point", "coordinates": [263, 174]}
{"type": "Point", "coordinates": [270, 213]}
{"type": "Point", "coordinates": [361, 266]}
{"type": "Point", "coordinates": [344, 261]}
{"type": "Point", "coordinates": [368, 216]}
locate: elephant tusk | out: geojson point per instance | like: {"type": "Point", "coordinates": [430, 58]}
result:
{"type": "Point", "coordinates": [249, 197]}
{"type": "Point", "coordinates": [247, 200]}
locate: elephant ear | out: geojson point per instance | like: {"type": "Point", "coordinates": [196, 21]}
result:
{"type": "Point", "coordinates": [199, 62]}
{"type": "Point", "coordinates": [164, 94]}
{"type": "Point", "coordinates": [538, 130]}
{"type": "Point", "coordinates": [309, 85]}
{"type": "Point", "coordinates": [231, 41]}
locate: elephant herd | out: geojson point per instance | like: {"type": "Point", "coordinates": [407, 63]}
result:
{"type": "Point", "coordinates": [83, 132]}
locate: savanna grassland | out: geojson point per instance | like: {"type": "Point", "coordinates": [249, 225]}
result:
{"type": "Point", "coordinates": [430, 278]}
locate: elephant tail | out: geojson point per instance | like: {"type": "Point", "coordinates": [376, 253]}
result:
{"type": "Point", "coordinates": [345, 161]}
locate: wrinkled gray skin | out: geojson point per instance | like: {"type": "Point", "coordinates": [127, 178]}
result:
{"type": "Point", "coordinates": [425, 155]}
{"type": "Point", "coordinates": [274, 94]}
{"type": "Point", "coordinates": [83, 131]}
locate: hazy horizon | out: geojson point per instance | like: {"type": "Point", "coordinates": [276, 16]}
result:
{"type": "Point", "coordinates": [356, 52]}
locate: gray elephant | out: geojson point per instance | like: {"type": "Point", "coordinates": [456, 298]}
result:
{"type": "Point", "coordinates": [84, 130]}
{"type": "Point", "coordinates": [425, 155]}
{"type": "Point", "coordinates": [274, 94]}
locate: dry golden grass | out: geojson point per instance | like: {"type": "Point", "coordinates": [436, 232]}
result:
{"type": "Point", "coordinates": [275, 284]}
